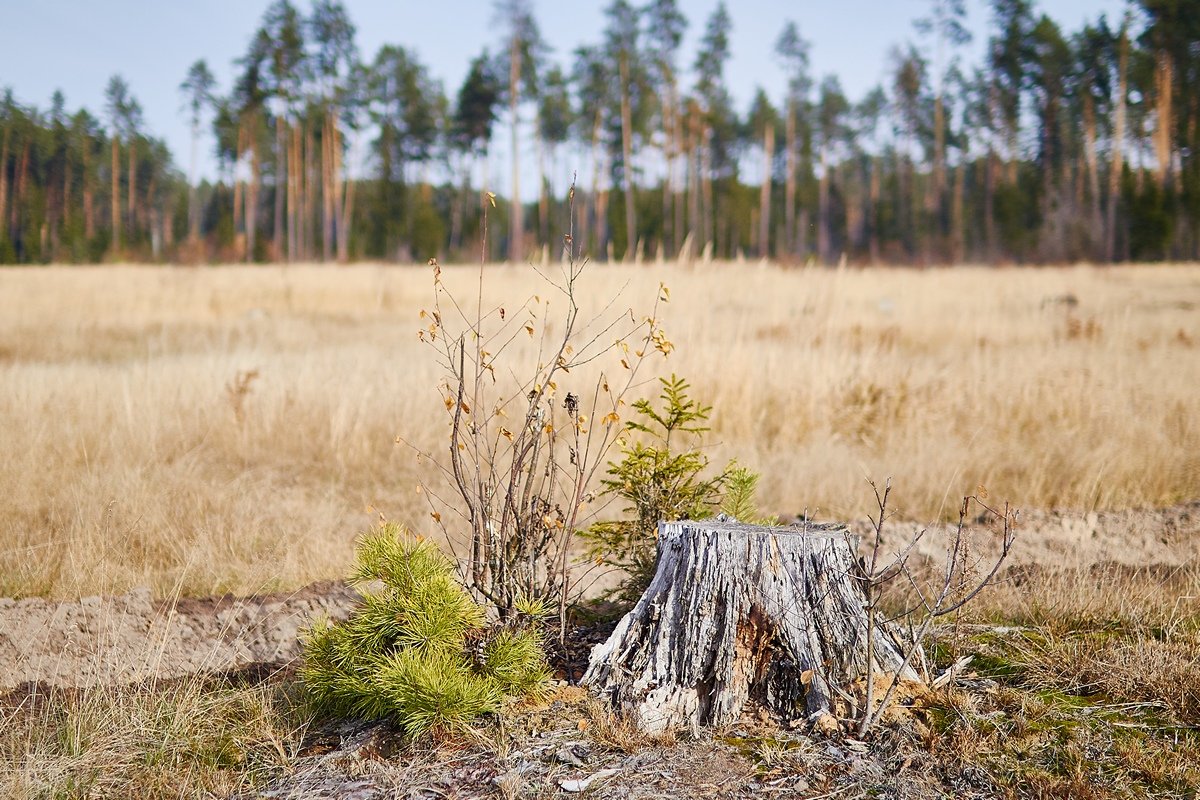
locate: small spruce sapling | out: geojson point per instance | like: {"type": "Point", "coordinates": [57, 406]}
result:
{"type": "Point", "coordinates": [740, 500]}
{"type": "Point", "coordinates": [661, 476]}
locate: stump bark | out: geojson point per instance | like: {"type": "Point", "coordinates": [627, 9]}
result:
{"type": "Point", "coordinates": [739, 613]}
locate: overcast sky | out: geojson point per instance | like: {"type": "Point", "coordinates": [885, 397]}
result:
{"type": "Point", "coordinates": [75, 45]}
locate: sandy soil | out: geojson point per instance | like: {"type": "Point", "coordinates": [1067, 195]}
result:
{"type": "Point", "coordinates": [124, 639]}
{"type": "Point", "coordinates": [113, 640]}
{"type": "Point", "coordinates": [1164, 537]}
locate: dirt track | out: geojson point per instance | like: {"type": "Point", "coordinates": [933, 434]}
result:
{"type": "Point", "coordinates": [131, 637]}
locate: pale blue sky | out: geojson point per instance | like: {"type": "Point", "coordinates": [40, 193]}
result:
{"type": "Point", "coordinates": [75, 45]}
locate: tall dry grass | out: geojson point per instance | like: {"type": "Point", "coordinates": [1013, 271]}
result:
{"type": "Point", "coordinates": [191, 738]}
{"type": "Point", "coordinates": [131, 456]}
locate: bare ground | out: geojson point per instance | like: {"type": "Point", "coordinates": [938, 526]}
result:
{"type": "Point", "coordinates": [123, 639]}
{"type": "Point", "coordinates": [539, 751]}
{"type": "Point", "coordinates": [131, 637]}
{"type": "Point", "coordinates": [554, 751]}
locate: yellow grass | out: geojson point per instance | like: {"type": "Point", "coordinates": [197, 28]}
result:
{"type": "Point", "coordinates": [130, 457]}
{"type": "Point", "coordinates": [192, 738]}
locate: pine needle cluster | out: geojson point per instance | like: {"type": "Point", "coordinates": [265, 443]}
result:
{"type": "Point", "coordinates": [418, 649]}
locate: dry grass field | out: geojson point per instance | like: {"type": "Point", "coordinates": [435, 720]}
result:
{"type": "Point", "coordinates": [232, 429]}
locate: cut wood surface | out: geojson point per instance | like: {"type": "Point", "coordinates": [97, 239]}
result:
{"type": "Point", "coordinates": [737, 613]}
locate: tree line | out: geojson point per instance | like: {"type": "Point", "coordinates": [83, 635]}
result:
{"type": "Point", "coordinates": [1059, 146]}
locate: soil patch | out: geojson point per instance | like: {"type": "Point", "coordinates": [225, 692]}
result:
{"type": "Point", "coordinates": [132, 637]}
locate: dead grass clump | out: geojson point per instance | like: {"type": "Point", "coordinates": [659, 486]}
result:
{"type": "Point", "coordinates": [192, 738]}
{"type": "Point", "coordinates": [1154, 600]}
{"type": "Point", "coordinates": [1163, 675]}
{"type": "Point", "coordinates": [237, 390]}
{"type": "Point", "coordinates": [617, 731]}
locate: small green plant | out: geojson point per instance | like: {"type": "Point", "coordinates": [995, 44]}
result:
{"type": "Point", "coordinates": [418, 649]}
{"type": "Point", "coordinates": [661, 476]}
{"type": "Point", "coordinates": [740, 500]}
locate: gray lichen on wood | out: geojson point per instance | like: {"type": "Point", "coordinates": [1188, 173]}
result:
{"type": "Point", "coordinates": [739, 613]}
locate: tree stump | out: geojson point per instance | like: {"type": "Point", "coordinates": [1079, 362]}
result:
{"type": "Point", "coordinates": [739, 613]}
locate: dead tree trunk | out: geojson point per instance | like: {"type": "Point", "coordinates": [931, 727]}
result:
{"type": "Point", "coordinates": [739, 613]}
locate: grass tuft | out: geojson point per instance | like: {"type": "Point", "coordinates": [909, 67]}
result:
{"type": "Point", "coordinates": [194, 738]}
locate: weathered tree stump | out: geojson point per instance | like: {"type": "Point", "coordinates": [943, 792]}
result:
{"type": "Point", "coordinates": [740, 612]}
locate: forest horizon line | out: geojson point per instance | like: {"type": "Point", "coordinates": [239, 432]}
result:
{"type": "Point", "coordinates": [1060, 146]}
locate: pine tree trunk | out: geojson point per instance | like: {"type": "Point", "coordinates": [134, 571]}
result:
{"type": "Point", "coordinates": [517, 224]}
{"type": "Point", "coordinates": [239, 198]}
{"type": "Point", "coordinates": [764, 200]}
{"type": "Point", "coordinates": [957, 214]}
{"type": "Point", "coordinates": [874, 194]}
{"type": "Point", "coordinates": [153, 223]}
{"type": "Point", "coordinates": [802, 234]}
{"type": "Point", "coordinates": [1114, 175]}
{"type": "Point", "coordinates": [823, 254]}
{"type": "Point", "coordinates": [694, 178]}
{"type": "Point", "coordinates": [627, 165]}
{"type": "Point", "coordinates": [598, 205]}
{"type": "Point", "coordinates": [327, 195]}
{"type": "Point", "coordinates": [789, 186]}
{"type": "Point", "coordinates": [937, 186]}
{"type": "Point", "coordinates": [853, 183]}
{"type": "Point", "coordinates": [989, 204]}
{"type": "Point", "coordinates": [280, 187]}
{"type": "Point", "coordinates": [193, 210]}
{"type": "Point", "coordinates": [668, 145]}
{"type": "Point", "coordinates": [132, 187]}
{"type": "Point", "coordinates": [308, 205]}
{"type": "Point", "coordinates": [342, 203]}
{"type": "Point", "coordinates": [543, 192]}
{"type": "Point", "coordinates": [293, 194]}
{"type": "Point", "coordinates": [340, 187]}
{"type": "Point", "coordinates": [167, 236]}
{"type": "Point", "coordinates": [741, 614]}
{"type": "Point", "coordinates": [343, 228]}
{"type": "Point", "coordinates": [1164, 77]}
{"type": "Point", "coordinates": [65, 203]}
{"type": "Point", "coordinates": [252, 203]}
{"type": "Point", "coordinates": [22, 181]}
{"type": "Point", "coordinates": [315, 218]}
{"type": "Point", "coordinates": [707, 219]}
{"type": "Point", "coordinates": [4, 181]}
{"type": "Point", "coordinates": [677, 196]}
{"type": "Point", "coordinates": [1092, 160]}
{"type": "Point", "coordinates": [116, 196]}
{"type": "Point", "coordinates": [89, 219]}
{"type": "Point", "coordinates": [307, 195]}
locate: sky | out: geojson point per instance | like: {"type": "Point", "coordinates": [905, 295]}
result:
{"type": "Point", "coordinates": [75, 45]}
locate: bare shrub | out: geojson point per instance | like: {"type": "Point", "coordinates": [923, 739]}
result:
{"type": "Point", "coordinates": [529, 427]}
{"type": "Point", "coordinates": [962, 578]}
